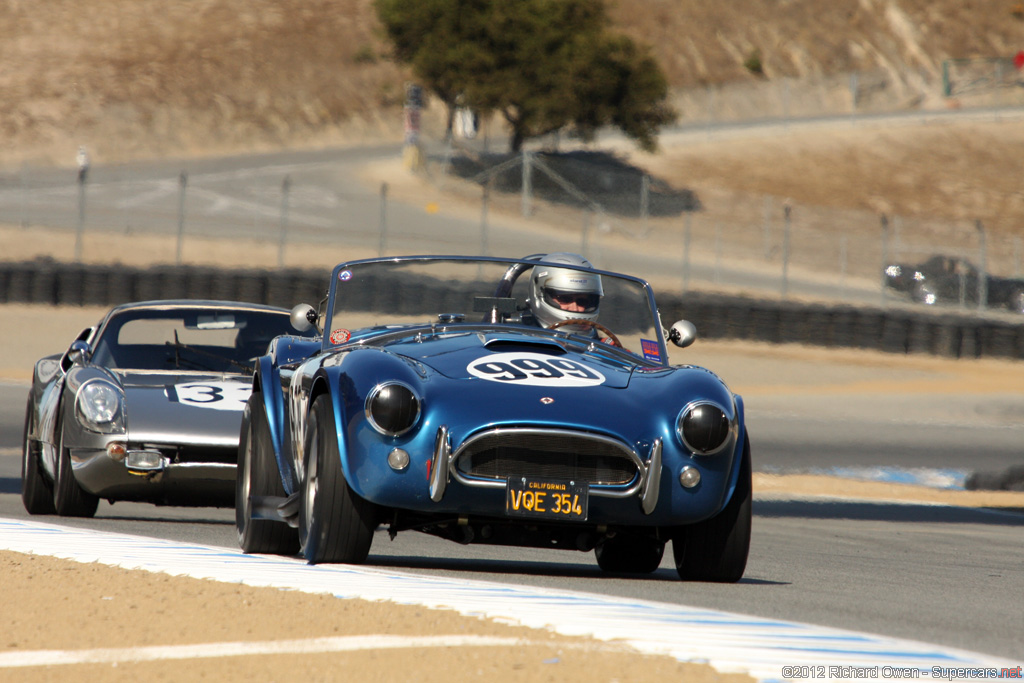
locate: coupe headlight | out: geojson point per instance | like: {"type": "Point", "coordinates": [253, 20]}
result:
{"type": "Point", "coordinates": [704, 428]}
{"type": "Point", "coordinates": [100, 407]}
{"type": "Point", "coordinates": [392, 408]}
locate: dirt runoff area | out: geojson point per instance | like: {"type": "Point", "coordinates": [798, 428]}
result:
{"type": "Point", "coordinates": [116, 608]}
{"type": "Point", "coordinates": [112, 607]}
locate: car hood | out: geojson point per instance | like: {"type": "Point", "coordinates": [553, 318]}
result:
{"type": "Point", "coordinates": [470, 381]}
{"type": "Point", "coordinates": [192, 408]}
{"type": "Point", "coordinates": [515, 359]}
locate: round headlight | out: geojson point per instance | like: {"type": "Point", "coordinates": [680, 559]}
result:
{"type": "Point", "coordinates": [99, 407]}
{"type": "Point", "coordinates": [704, 428]}
{"type": "Point", "coordinates": [392, 408]}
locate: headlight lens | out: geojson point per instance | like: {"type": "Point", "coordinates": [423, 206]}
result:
{"type": "Point", "coordinates": [704, 428]}
{"type": "Point", "coordinates": [100, 407]}
{"type": "Point", "coordinates": [392, 408]}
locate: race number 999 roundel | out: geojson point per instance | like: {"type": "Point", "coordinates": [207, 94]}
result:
{"type": "Point", "coordinates": [535, 369]}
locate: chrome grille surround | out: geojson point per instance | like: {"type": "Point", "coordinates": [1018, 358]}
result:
{"type": "Point", "coordinates": [487, 459]}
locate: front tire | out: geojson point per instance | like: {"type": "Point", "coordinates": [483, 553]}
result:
{"type": "Point", "coordinates": [335, 525]}
{"type": "Point", "coordinates": [629, 554]}
{"type": "Point", "coordinates": [258, 476]}
{"type": "Point", "coordinates": [717, 548]}
{"type": "Point", "coordinates": [69, 499]}
{"type": "Point", "coordinates": [36, 491]}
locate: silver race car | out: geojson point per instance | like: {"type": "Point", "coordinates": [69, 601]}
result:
{"type": "Point", "coordinates": [146, 406]}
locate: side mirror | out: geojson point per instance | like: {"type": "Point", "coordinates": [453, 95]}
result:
{"type": "Point", "coordinates": [683, 333]}
{"type": "Point", "coordinates": [304, 318]}
{"type": "Point", "coordinates": [76, 354]}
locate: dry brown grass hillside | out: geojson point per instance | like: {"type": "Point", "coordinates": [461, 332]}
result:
{"type": "Point", "coordinates": [131, 79]}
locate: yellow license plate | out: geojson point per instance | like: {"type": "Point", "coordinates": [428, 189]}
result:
{"type": "Point", "coordinates": [555, 499]}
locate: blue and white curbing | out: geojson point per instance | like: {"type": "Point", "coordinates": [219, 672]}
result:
{"type": "Point", "coordinates": [935, 478]}
{"type": "Point", "coordinates": [729, 642]}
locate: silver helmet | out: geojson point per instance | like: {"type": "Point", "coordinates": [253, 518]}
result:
{"type": "Point", "coordinates": [558, 294]}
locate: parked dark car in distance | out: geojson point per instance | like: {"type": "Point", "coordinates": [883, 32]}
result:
{"type": "Point", "coordinates": [954, 280]}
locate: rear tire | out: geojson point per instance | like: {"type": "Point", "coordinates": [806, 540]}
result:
{"type": "Point", "coordinates": [629, 554]}
{"type": "Point", "coordinates": [36, 491]}
{"type": "Point", "coordinates": [69, 499]}
{"type": "Point", "coordinates": [335, 525]}
{"type": "Point", "coordinates": [258, 476]}
{"type": "Point", "coordinates": [717, 548]}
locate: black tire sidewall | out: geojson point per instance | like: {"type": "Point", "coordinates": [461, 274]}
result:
{"type": "Point", "coordinates": [717, 548]}
{"type": "Point", "coordinates": [69, 498]}
{"type": "Point", "coordinates": [36, 494]}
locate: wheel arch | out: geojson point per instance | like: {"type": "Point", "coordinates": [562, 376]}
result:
{"type": "Point", "coordinates": [328, 384]}
{"type": "Point", "coordinates": [741, 450]}
{"type": "Point", "coordinates": [266, 380]}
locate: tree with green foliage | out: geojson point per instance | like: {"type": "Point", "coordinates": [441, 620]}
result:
{"type": "Point", "coordinates": [544, 65]}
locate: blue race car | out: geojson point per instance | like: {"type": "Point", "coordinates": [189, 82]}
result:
{"type": "Point", "coordinates": [522, 402]}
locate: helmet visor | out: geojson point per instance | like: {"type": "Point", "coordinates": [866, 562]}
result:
{"type": "Point", "coordinates": [573, 302]}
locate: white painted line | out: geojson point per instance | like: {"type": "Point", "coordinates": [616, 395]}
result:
{"type": "Point", "coordinates": [727, 641]}
{"type": "Point", "coordinates": [30, 658]}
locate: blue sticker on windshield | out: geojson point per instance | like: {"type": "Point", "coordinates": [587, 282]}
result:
{"type": "Point", "coordinates": [650, 349]}
{"type": "Point", "coordinates": [345, 275]}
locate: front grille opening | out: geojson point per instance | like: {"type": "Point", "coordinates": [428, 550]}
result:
{"type": "Point", "coordinates": [580, 459]}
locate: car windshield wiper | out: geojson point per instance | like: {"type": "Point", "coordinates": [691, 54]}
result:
{"type": "Point", "coordinates": [202, 352]}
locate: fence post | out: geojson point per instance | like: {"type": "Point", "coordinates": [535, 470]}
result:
{"type": "Point", "coordinates": [585, 237]}
{"type": "Point", "coordinates": [688, 224]}
{"type": "Point", "coordinates": [383, 227]}
{"type": "Point", "coordinates": [82, 174]}
{"type": "Point", "coordinates": [182, 184]}
{"type": "Point", "coordinates": [718, 252]}
{"type": "Point", "coordinates": [885, 252]}
{"type": "Point", "coordinates": [484, 207]}
{"type": "Point", "coordinates": [842, 266]}
{"type": "Point", "coordinates": [645, 201]}
{"type": "Point", "coordinates": [286, 186]}
{"type": "Point", "coordinates": [527, 184]}
{"type": "Point", "coordinates": [982, 266]}
{"type": "Point", "coordinates": [786, 212]}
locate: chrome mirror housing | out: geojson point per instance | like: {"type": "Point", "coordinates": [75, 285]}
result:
{"type": "Point", "coordinates": [683, 333]}
{"type": "Point", "coordinates": [304, 318]}
{"type": "Point", "coordinates": [77, 354]}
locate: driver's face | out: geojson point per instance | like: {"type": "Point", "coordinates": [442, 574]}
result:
{"type": "Point", "coordinates": [573, 303]}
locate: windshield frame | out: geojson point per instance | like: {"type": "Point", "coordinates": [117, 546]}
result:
{"type": "Point", "coordinates": [372, 335]}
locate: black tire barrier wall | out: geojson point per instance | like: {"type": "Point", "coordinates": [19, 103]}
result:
{"type": "Point", "coordinates": [928, 331]}
{"type": "Point", "coordinates": [716, 316]}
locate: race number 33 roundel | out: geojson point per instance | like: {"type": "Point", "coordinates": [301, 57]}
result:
{"type": "Point", "coordinates": [535, 369]}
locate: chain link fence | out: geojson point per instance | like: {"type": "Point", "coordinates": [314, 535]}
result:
{"type": "Point", "coordinates": [586, 201]}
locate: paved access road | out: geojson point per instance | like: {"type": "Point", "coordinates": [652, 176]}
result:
{"type": "Point", "coordinates": [324, 198]}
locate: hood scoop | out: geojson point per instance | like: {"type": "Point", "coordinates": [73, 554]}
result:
{"type": "Point", "coordinates": [512, 344]}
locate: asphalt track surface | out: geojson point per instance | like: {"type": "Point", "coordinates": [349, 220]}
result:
{"type": "Point", "coordinates": [942, 575]}
{"type": "Point", "coordinates": [935, 574]}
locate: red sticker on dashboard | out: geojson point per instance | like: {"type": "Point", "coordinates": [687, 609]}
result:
{"type": "Point", "coordinates": [340, 336]}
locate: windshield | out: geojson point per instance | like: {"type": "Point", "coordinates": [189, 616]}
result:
{"type": "Point", "coordinates": [530, 296]}
{"type": "Point", "coordinates": [207, 339]}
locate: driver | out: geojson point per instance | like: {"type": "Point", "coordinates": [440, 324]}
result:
{"type": "Point", "coordinates": [558, 294]}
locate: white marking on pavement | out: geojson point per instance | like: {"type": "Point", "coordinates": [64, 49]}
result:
{"type": "Point", "coordinates": [29, 658]}
{"type": "Point", "coordinates": [729, 642]}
